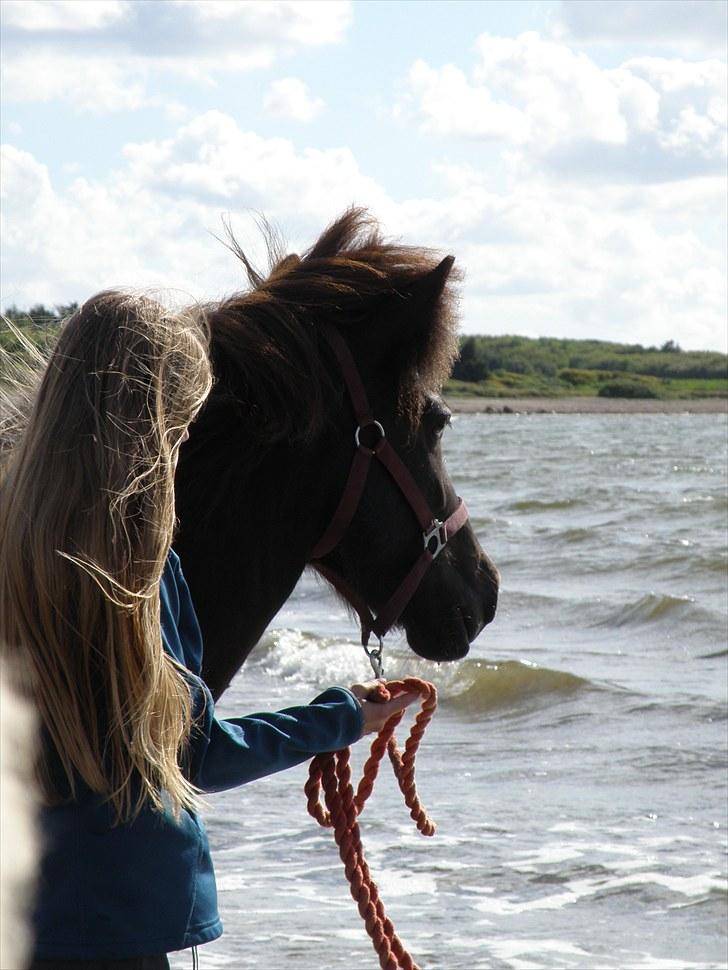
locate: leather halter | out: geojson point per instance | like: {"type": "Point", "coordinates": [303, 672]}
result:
{"type": "Point", "coordinates": [435, 534]}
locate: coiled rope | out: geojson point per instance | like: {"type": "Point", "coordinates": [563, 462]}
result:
{"type": "Point", "coordinates": [332, 772]}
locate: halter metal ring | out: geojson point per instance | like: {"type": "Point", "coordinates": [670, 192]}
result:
{"type": "Point", "coordinates": [376, 424]}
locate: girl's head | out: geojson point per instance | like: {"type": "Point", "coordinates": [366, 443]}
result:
{"type": "Point", "coordinates": [86, 523]}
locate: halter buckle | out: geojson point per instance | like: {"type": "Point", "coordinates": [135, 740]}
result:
{"type": "Point", "coordinates": [438, 532]}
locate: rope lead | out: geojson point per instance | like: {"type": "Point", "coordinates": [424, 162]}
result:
{"type": "Point", "coordinates": [332, 772]}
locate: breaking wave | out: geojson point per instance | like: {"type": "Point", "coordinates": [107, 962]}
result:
{"type": "Point", "coordinates": [653, 608]}
{"type": "Point", "coordinates": [471, 685]}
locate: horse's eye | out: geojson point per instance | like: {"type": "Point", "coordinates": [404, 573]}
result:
{"type": "Point", "coordinates": [438, 418]}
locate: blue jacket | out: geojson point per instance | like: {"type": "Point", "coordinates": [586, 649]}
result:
{"type": "Point", "coordinates": [148, 887]}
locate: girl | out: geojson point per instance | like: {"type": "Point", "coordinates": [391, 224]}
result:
{"type": "Point", "coordinates": [95, 610]}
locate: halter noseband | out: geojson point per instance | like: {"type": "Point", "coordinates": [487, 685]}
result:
{"type": "Point", "coordinates": [435, 534]}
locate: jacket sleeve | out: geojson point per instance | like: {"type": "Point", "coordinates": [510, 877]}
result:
{"type": "Point", "coordinates": [225, 753]}
{"type": "Point", "coordinates": [229, 752]}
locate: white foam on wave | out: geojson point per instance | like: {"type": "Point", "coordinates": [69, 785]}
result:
{"type": "Point", "coordinates": [615, 868]}
{"type": "Point", "coordinates": [538, 954]}
{"type": "Point", "coordinates": [531, 860]}
{"type": "Point", "coordinates": [693, 886]}
{"type": "Point", "coordinates": [550, 854]}
{"type": "Point", "coordinates": [293, 658]}
{"type": "Point", "coordinates": [645, 961]}
{"type": "Point", "coordinates": [498, 906]}
{"type": "Point", "coordinates": [299, 658]}
{"type": "Point", "coordinates": [514, 951]}
{"type": "Point", "coordinates": [700, 886]}
{"type": "Point", "coordinates": [393, 883]}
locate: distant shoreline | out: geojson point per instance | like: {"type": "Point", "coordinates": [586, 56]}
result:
{"type": "Point", "coordinates": [585, 405]}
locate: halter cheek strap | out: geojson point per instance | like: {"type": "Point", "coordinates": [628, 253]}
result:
{"type": "Point", "coordinates": [435, 534]}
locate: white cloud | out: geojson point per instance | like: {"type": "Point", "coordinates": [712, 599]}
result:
{"type": "Point", "coordinates": [524, 90]}
{"type": "Point", "coordinates": [650, 118]}
{"type": "Point", "coordinates": [89, 84]}
{"type": "Point", "coordinates": [25, 187]}
{"type": "Point", "coordinates": [182, 28]}
{"type": "Point", "coordinates": [448, 104]}
{"type": "Point", "coordinates": [63, 15]}
{"type": "Point", "coordinates": [213, 161]}
{"type": "Point", "coordinates": [149, 223]}
{"type": "Point", "coordinates": [299, 22]}
{"type": "Point", "coordinates": [289, 98]}
{"type": "Point", "coordinates": [108, 56]}
{"type": "Point", "coordinates": [640, 263]}
{"type": "Point", "coordinates": [692, 104]}
{"type": "Point", "coordinates": [561, 92]}
{"type": "Point", "coordinates": [677, 23]}
{"type": "Point", "coordinates": [628, 264]}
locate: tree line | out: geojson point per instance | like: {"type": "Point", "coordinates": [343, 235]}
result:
{"type": "Point", "coordinates": [549, 357]}
{"type": "Point", "coordinates": [39, 315]}
{"type": "Point", "coordinates": [39, 324]}
{"type": "Point", "coordinates": [569, 362]}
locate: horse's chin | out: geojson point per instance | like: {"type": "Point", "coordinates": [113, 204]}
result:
{"type": "Point", "coordinates": [440, 646]}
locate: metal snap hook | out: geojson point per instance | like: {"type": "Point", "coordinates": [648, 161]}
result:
{"type": "Point", "coordinates": [375, 658]}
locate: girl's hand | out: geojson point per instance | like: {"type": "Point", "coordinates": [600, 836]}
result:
{"type": "Point", "coordinates": [377, 713]}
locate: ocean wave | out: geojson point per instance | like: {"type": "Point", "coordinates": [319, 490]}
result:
{"type": "Point", "coordinates": [481, 686]}
{"type": "Point", "coordinates": [576, 535]}
{"type": "Point", "coordinates": [652, 885]}
{"type": "Point", "coordinates": [542, 505]}
{"type": "Point", "coordinates": [719, 501]}
{"type": "Point", "coordinates": [651, 608]}
{"type": "Point", "coordinates": [300, 657]}
{"type": "Point", "coordinates": [471, 685]}
{"type": "Point", "coordinates": [685, 559]}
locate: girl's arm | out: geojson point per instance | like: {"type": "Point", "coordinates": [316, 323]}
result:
{"type": "Point", "coordinates": [227, 752]}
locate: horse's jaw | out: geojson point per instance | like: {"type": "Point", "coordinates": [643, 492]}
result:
{"type": "Point", "coordinates": [441, 643]}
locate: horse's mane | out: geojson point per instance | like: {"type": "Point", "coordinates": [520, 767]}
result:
{"type": "Point", "coordinates": [266, 343]}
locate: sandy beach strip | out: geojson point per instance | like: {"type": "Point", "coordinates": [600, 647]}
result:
{"type": "Point", "coordinates": [585, 405]}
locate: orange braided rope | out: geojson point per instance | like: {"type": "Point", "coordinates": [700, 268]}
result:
{"type": "Point", "coordinates": [332, 772]}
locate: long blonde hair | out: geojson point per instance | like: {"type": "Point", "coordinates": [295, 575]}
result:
{"type": "Point", "coordinates": [86, 524]}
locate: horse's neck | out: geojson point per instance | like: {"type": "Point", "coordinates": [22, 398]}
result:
{"type": "Point", "coordinates": [244, 553]}
{"type": "Point", "coordinates": [239, 601]}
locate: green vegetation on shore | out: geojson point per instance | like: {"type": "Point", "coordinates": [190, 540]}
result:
{"type": "Point", "coordinates": [549, 367]}
{"type": "Point", "coordinates": [39, 325]}
{"type": "Point", "coordinates": [513, 366]}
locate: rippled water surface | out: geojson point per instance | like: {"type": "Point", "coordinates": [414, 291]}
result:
{"type": "Point", "coordinates": [576, 766]}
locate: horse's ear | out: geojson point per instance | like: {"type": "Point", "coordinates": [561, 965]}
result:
{"type": "Point", "coordinates": [415, 308]}
{"type": "Point", "coordinates": [423, 293]}
{"type": "Point", "coordinates": [431, 285]}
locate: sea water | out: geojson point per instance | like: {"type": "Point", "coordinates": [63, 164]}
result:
{"type": "Point", "coordinates": [576, 766]}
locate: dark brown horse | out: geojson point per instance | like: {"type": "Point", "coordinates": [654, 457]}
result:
{"type": "Point", "coordinates": [268, 458]}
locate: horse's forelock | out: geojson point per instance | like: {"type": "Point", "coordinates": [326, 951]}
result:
{"type": "Point", "coordinates": [354, 230]}
{"type": "Point", "coordinates": [349, 277]}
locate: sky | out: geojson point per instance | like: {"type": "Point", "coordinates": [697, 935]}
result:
{"type": "Point", "coordinates": [570, 155]}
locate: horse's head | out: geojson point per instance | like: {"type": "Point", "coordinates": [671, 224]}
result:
{"type": "Point", "coordinates": [396, 359]}
{"type": "Point", "coordinates": [267, 462]}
